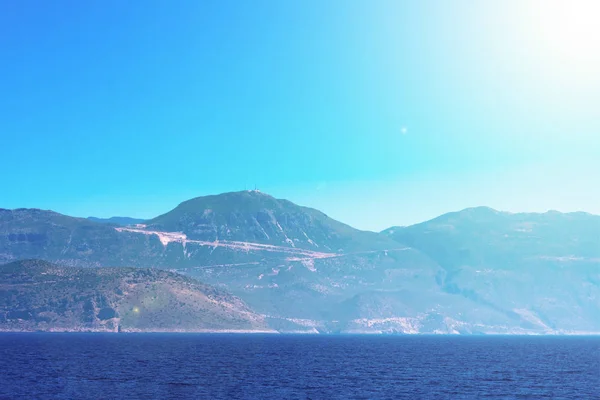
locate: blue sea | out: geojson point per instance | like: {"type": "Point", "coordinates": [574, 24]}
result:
{"type": "Point", "coordinates": [190, 366]}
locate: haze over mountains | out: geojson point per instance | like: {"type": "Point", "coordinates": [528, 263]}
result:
{"type": "Point", "coordinates": [297, 270]}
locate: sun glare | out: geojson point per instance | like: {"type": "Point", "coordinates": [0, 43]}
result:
{"type": "Point", "coordinates": [571, 29]}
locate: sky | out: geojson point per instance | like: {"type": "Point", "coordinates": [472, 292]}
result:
{"type": "Point", "coordinates": [378, 113]}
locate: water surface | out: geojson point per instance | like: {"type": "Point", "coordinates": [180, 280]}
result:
{"type": "Point", "coordinates": [184, 366]}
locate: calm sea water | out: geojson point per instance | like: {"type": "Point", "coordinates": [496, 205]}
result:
{"type": "Point", "coordinates": [186, 366]}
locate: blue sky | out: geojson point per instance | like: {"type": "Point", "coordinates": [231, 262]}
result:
{"type": "Point", "coordinates": [378, 113]}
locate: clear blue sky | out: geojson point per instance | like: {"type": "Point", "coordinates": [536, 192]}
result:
{"type": "Point", "coordinates": [378, 113]}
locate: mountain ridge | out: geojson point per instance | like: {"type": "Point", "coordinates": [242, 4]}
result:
{"type": "Point", "coordinates": [140, 220]}
{"type": "Point", "coordinates": [269, 220]}
{"type": "Point", "coordinates": [472, 271]}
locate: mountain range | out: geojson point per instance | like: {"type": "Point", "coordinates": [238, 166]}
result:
{"type": "Point", "coordinates": [293, 269]}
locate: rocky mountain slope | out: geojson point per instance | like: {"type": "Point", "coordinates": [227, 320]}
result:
{"type": "Point", "coordinates": [47, 235]}
{"type": "Point", "coordinates": [475, 271]}
{"type": "Point", "coordinates": [40, 296]}
{"type": "Point", "coordinates": [540, 268]}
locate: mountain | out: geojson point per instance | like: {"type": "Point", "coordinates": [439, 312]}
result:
{"type": "Point", "coordinates": [290, 263]}
{"type": "Point", "coordinates": [543, 268]}
{"type": "Point", "coordinates": [474, 271]}
{"type": "Point", "coordinates": [253, 216]}
{"type": "Point", "coordinates": [40, 296]}
{"type": "Point", "coordinates": [122, 221]}
{"type": "Point", "coordinates": [489, 237]}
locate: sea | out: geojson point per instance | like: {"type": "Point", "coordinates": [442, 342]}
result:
{"type": "Point", "coordinates": [237, 366]}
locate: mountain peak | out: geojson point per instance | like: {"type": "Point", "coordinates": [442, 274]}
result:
{"type": "Point", "coordinates": [237, 195]}
{"type": "Point", "coordinates": [480, 210]}
{"type": "Point", "coordinates": [257, 217]}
